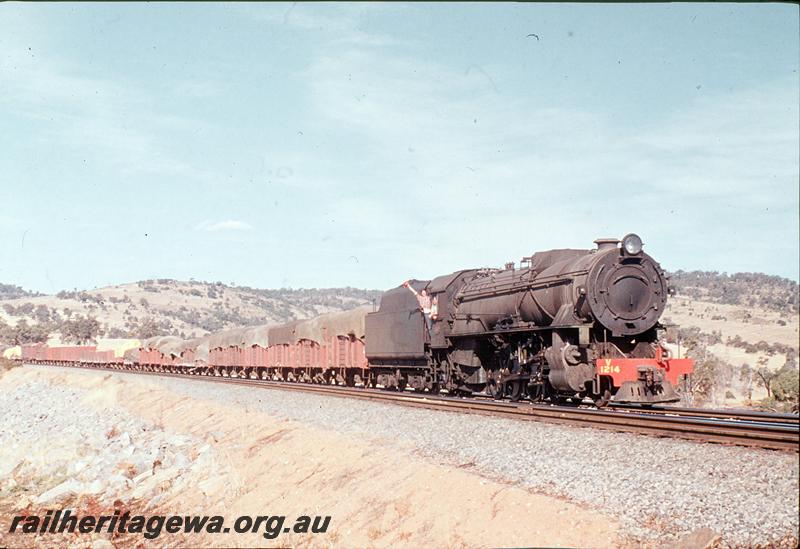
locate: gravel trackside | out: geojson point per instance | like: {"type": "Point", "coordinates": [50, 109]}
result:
{"type": "Point", "coordinates": [661, 489]}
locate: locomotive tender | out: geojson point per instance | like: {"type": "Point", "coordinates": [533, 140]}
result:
{"type": "Point", "coordinates": [566, 325]}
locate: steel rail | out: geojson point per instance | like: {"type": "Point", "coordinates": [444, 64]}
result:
{"type": "Point", "coordinates": [774, 435]}
{"type": "Point", "coordinates": [732, 414]}
{"type": "Point", "coordinates": [751, 415]}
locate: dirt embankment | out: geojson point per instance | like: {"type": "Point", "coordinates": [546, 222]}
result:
{"type": "Point", "coordinates": [108, 443]}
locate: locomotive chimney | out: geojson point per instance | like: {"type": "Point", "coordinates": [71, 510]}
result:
{"type": "Point", "coordinates": [606, 243]}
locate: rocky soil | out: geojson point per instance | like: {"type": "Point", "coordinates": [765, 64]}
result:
{"type": "Point", "coordinates": [95, 442]}
{"type": "Point", "coordinates": [659, 489]}
{"type": "Point", "coordinates": [425, 477]}
{"type": "Point", "coordinates": [66, 447]}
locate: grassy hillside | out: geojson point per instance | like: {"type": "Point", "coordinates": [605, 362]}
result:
{"type": "Point", "coordinates": [743, 330]}
{"type": "Point", "coordinates": [753, 290]}
{"type": "Point", "coordinates": [186, 309]}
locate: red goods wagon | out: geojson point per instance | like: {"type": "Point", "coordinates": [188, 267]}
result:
{"type": "Point", "coordinates": [255, 341]}
{"type": "Point", "coordinates": [91, 354]}
{"type": "Point", "coordinates": [189, 356]}
{"type": "Point", "coordinates": [343, 334]}
{"type": "Point", "coordinates": [282, 340]}
{"type": "Point", "coordinates": [86, 354]}
{"type": "Point", "coordinates": [33, 352]}
{"type": "Point", "coordinates": [52, 353]}
{"type": "Point", "coordinates": [258, 357]}
{"type": "Point", "coordinates": [149, 356]}
{"type": "Point", "coordinates": [279, 356]}
{"type": "Point", "coordinates": [195, 352]}
{"type": "Point", "coordinates": [70, 354]}
{"type": "Point", "coordinates": [215, 357]}
{"type": "Point", "coordinates": [226, 349]}
{"type": "Point", "coordinates": [237, 355]}
{"type": "Point", "coordinates": [160, 351]}
{"type": "Point", "coordinates": [254, 356]}
{"type": "Point", "coordinates": [346, 352]}
{"type": "Point", "coordinates": [306, 354]}
{"type": "Point", "coordinates": [221, 357]}
{"type": "Point", "coordinates": [224, 357]}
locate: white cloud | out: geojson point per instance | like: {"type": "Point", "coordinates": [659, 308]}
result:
{"type": "Point", "coordinates": [453, 161]}
{"type": "Point", "coordinates": [341, 21]}
{"type": "Point", "coordinates": [229, 225]}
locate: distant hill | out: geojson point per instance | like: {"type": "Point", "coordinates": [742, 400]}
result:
{"type": "Point", "coordinates": [173, 307]}
{"type": "Point", "coordinates": [759, 290]}
{"type": "Point", "coordinates": [9, 291]}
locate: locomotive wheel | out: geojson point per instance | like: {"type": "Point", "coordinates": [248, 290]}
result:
{"type": "Point", "coordinates": [603, 401]}
{"type": "Point", "coordinates": [494, 390]}
{"type": "Point", "coordinates": [514, 389]}
{"type": "Point", "coordinates": [535, 392]}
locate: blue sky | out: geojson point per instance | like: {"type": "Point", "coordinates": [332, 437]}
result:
{"type": "Point", "coordinates": [329, 144]}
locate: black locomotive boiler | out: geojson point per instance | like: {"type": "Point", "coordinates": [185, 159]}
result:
{"type": "Point", "coordinates": [566, 325]}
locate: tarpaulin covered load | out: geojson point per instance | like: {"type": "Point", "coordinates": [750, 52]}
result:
{"type": "Point", "coordinates": [343, 323]}
{"type": "Point", "coordinates": [161, 343]}
{"type": "Point", "coordinates": [159, 350]}
{"type": "Point", "coordinates": [283, 334]}
{"type": "Point", "coordinates": [257, 335]}
{"type": "Point", "coordinates": [195, 350]}
{"type": "Point", "coordinates": [119, 346]}
{"type": "Point", "coordinates": [228, 338]}
{"type": "Point", "coordinates": [173, 348]}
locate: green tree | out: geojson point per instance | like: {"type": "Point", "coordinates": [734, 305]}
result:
{"type": "Point", "coordinates": [147, 328]}
{"type": "Point", "coordinates": [786, 385]}
{"type": "Point", "coordinates": [24, 334]}
{"type": "Point", "coordinates": [765, 376]}
{"type": "Point", "coordinates": [80, 330]}
{"type": "Point", "coordinates": [42, 314]}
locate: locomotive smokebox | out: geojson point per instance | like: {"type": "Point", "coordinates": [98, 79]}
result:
{"type": "Point", "coordinates": [626, 289]}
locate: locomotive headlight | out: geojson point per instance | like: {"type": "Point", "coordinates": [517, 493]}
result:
{"type": "Point", "coordinates": [632, 244]}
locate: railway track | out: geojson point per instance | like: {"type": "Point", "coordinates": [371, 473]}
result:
{"type": "Point", "coordinates": [743, 428]}
{"type": "Point", "coordinates": [750, 415]}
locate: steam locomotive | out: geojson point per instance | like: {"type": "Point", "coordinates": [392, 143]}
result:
{"type": "Point", "coordinates": [564, 326]}
{"type": "Point", "coordinates": [567, 325]}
